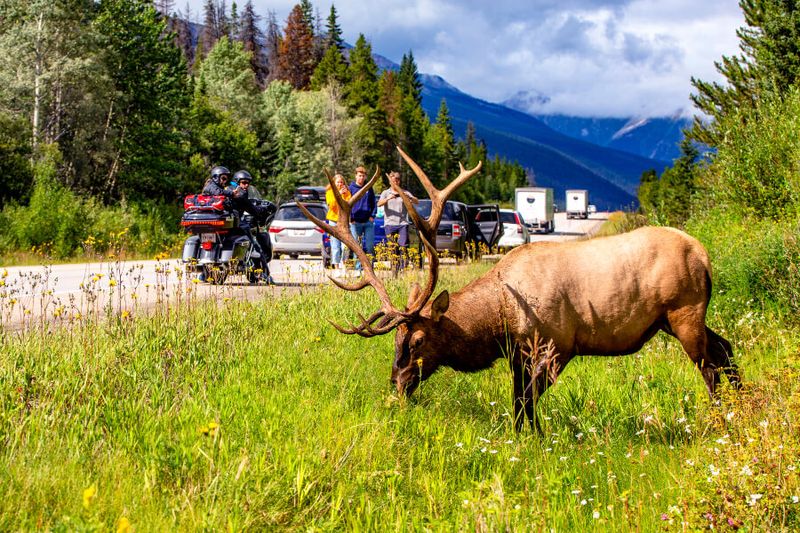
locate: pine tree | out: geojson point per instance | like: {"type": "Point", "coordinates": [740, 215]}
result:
{"type": "Point", "coordinates": [296, 56]}
{"type": "Point", "coordinates": [409, 77]}
{"type": "Point", "coordinates": [183, 40]}
{"type": "Point", "coordinates": [272, 46]}
{"type": "Point", "coordinates": [333, 33]}
{"type": "Point", "coordinates": [252, 38]}
{"type": "Point", "coordinates": [235, 22]}
{"type": "Point", "coordinates": [441, 147]}
{"type": "Point", "coordinates": [210, 34]}
{"type": "Point", "coordinates": [768, 65]}
{"type": "Point", "coordinates": [150, 91]}
{"type": "Point", "coordinates": [362, 90]}
{"type": "Point", "coordinates": [308, 14]}
{"type": "Point", "coordinates": [332, 68]}
{"type": "Point", "coordinates": [223, 22]}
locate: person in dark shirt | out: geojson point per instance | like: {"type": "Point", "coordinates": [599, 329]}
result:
{"type": "Point", "coordinates": [362, 215]}
{"type": "Point", "coordinates": [241, 199]}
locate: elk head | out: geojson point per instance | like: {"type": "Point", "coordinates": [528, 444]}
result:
{"type": "Point", "coordinates": [419, 342]}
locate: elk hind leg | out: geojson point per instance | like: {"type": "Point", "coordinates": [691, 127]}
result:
{"type": "Point", "coordinates": [688, 326]}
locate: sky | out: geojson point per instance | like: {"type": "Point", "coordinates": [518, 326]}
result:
{"type": "Point", "coordinates": [598, 58]}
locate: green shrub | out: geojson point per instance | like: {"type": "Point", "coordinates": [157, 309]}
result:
{"type": "Point", "coordinates": [60, 224]}
{"type": "Point", "coordinates": [757, 165]}
{"type": "Point", "coordinates": [755, 261]}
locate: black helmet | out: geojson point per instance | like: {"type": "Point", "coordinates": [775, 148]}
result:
{"type": "Point", "coordinates": [218, 172]}
{"type": "Point", "coordinates": [242, 175]}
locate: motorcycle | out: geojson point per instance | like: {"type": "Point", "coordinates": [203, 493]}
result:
{"type": "Point", "coordinates": [219, 244]}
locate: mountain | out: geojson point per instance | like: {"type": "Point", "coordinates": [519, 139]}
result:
{"type": "Point", "coordinates": [653, 137]}
{"type": "Point", "coordinates": [555, 159]}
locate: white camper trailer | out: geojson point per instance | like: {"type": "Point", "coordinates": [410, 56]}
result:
{"type": "Point", "coordinates": [577, 205]}
{"type": "Point", "coordinates": [535, 204]}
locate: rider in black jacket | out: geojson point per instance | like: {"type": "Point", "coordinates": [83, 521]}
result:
{"type": "Point", "coordinates": [217, 183]}
{"type": "Point", "coordinates": [241, 197]}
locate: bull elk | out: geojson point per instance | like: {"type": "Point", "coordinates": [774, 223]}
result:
{"type": "Point", "coordinates": [606, 296]}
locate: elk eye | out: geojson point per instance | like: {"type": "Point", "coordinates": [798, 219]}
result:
{"type": "Point", "coordinates": [416, 341]}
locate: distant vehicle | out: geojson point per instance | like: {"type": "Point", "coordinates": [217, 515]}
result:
{"type": "Point", "coordinates": [535, 205]}
{"type": "Point", "coordinates": [592, 209]}
{"type": "Point", "coordinates": [309, 193]}
{"type": "Point", "coordinates": [485, 226]}
{"type": "Point", "coordinates": [577, 203]}
{"type": "Point", "coordinates": [515, 232]}
{"type": "Point", "coordinates": [454, 229]}
{"type": "Point", "coordinates": [294, 235]}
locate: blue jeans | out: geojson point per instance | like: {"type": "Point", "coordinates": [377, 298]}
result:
{"type": "Point", "coordinates": [366, 231]}
{"type": "Point", "coordinates": [336, 247]}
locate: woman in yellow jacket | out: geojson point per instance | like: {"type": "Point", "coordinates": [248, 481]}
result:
{"type": "Point", "coordinates": [337, 253]}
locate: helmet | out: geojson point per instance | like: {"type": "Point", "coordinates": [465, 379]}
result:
{"type": "Point", "coordinates": [241, 176]}
{"type": "Point", "coordinates": [218, 172]}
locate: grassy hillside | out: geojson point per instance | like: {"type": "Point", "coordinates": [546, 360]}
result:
{"type": "Point", "coordinates": [253, 416]}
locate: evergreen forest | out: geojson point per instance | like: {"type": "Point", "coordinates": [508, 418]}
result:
{"type": "Point", "coordinates": [112, 110]}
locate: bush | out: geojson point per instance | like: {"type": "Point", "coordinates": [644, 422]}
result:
{"type": "Point", "coordinates": [60, 224]}
{"type": "Point", "coordinates": [756, 168]}
{"type": "Point", "coordinates": [756, 261]}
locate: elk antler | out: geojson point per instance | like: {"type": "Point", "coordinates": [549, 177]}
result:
{"type": "Point", "coordinates": [429, 227]}
{"type": "Point", "coordinates": [391, 316]}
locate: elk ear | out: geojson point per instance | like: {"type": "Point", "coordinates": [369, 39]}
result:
{"type": "Point", "coordinates": [440, 305]}
{"type": "Point", "coordinates": [413, 295]}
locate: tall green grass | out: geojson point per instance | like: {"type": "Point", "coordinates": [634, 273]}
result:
{"type": "Point", "coordinates": [260, 416]}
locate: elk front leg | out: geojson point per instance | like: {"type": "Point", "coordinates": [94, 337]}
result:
{"type": "Point", "coordinates": [541, 376]}
{"type": "Point", "coordinates": [523, 403]}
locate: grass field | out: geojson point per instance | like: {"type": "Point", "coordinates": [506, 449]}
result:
{"type": "Point", "coordinates": [260, 416]}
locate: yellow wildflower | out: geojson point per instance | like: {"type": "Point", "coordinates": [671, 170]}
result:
{"type": "Point", "coordinates": [112, 283]}
{"type": "Point", "coordinates": [89, 494]}
{"type": "Point", "coordinates": [124, 525]}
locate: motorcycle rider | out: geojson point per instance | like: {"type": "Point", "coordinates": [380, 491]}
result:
{"type": "Point", "coordinates": [217, 183]}
{"type": "Point", "coordinates": [241, 199]}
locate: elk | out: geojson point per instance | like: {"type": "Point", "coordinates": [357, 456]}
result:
{"type": "Point", "coordinates": [606, 296]}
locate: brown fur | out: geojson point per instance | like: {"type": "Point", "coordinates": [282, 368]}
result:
{"type": "Point", "coordinates": [605, 296]}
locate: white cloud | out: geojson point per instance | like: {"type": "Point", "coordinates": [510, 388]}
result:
{"type": "Point", "coordinates": [590, 57]}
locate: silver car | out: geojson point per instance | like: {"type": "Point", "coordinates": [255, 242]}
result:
{"type": "Point", "coordinates": [294, 235]}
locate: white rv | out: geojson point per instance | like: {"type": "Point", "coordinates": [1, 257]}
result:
{"type": "Point", "coordinates": [577, 205]}
{"type": "Point", "coordinates": [535, 204]}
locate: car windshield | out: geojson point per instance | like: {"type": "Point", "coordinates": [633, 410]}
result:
{"type": "Point", "coordinates": [508, 217]}
{"type": "Point", "coordinates": [293, 213]}
{"type": "Point", "coordinates": [449, 213]}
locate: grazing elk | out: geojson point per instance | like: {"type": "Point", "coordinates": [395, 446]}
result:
{"type": "Point", "coordinates": [604, 296]}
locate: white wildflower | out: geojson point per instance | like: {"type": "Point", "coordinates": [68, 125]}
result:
{"type": "Point", "coordinates": [754, 498]}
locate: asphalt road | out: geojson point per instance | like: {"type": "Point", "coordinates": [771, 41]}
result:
{"type": "Point", "coordinates": [34, 295]}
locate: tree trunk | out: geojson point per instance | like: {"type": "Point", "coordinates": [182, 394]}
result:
{"type": "Point", "coordinates": [37, 83]}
